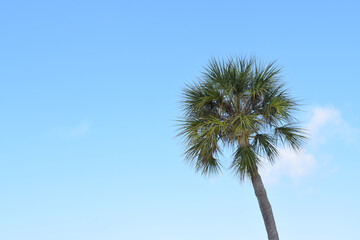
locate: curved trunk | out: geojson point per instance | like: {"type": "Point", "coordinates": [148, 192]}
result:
{"type": "Point", "coordinates": [265, 206]}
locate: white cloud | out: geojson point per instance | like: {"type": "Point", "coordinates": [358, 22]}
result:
{"type": "Point", "coordinates": [289, 164]}
{"type": "Point", "coordinates": [327, 122]}
{"type": "Point", "coordinates": [322, 116]}
{"type": "Point", "coordinates": [324, 124]}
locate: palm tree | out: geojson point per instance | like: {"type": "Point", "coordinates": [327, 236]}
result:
{"type": "Point", "coordinates": [242, 104]}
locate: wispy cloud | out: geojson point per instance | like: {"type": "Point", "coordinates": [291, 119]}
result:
{"type": "Point", "coordinates": [327, 122]}
{"type": "Point", "coordinates": [289, 164]}
{"type": "Point", "coordinates": [72, 132]}
{"type": "Point", "coordinates": [79, 130]}
{"type": "Point", "coordinates": [324, 124]}
{"type": "Point", "coordinates": [322, 116]}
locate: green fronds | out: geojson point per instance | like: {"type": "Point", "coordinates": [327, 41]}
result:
{"type": "Point", "coordinates": [207, 127]}
{"type": "Point", "coordinates": [279, 108]}
{"type": "Point", "coordinates": [245, 162]}
{"type": "Point", "coordinates": [264, 79]}
{"type": "Point", "coordinates": [207, 166]}
{"type": "Point", "coordinates": [242, 126]}
{"type": "Point", "coordinates": [240, 103]}
{"type": "Point", "coordinates": [201, 153]}
{"type": "Point", "coordinates": [232, 75]}
{"type": "Point", "coordinates": [203, 99]}
{"type": "Point", "coordinates": [265, 145]}
{"type": "Point", "coordinates": [201, 137]}
{"type": "Point", "coordinates": [292, 136]}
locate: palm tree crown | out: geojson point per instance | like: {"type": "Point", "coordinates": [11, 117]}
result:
{"type": "Point", "coordinates": [243, 104]}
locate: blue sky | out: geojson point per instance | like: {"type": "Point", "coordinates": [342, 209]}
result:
{"type": "Point", "coordinates": [89, 92]}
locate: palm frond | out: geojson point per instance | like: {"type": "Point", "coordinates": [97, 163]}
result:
{"type": "Point", "coordinates": [245, 162]}
{"type": "Point", "coordinates": [278, 106]}
{"type": "Point", "coordinates": [292, 136]}
{"type": "Point", "coordinates": [201, 137]}
{"type": "Point", "coordinates": [242, 126]}
{"type": "Point", "coordinates": [265, 144]}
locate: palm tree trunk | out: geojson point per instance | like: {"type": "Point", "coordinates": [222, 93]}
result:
{"type": "Point", "coordinates": [265, 206]}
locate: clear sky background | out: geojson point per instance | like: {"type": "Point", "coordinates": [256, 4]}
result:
{"type": "Point", "coordinates": [89, 91]}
